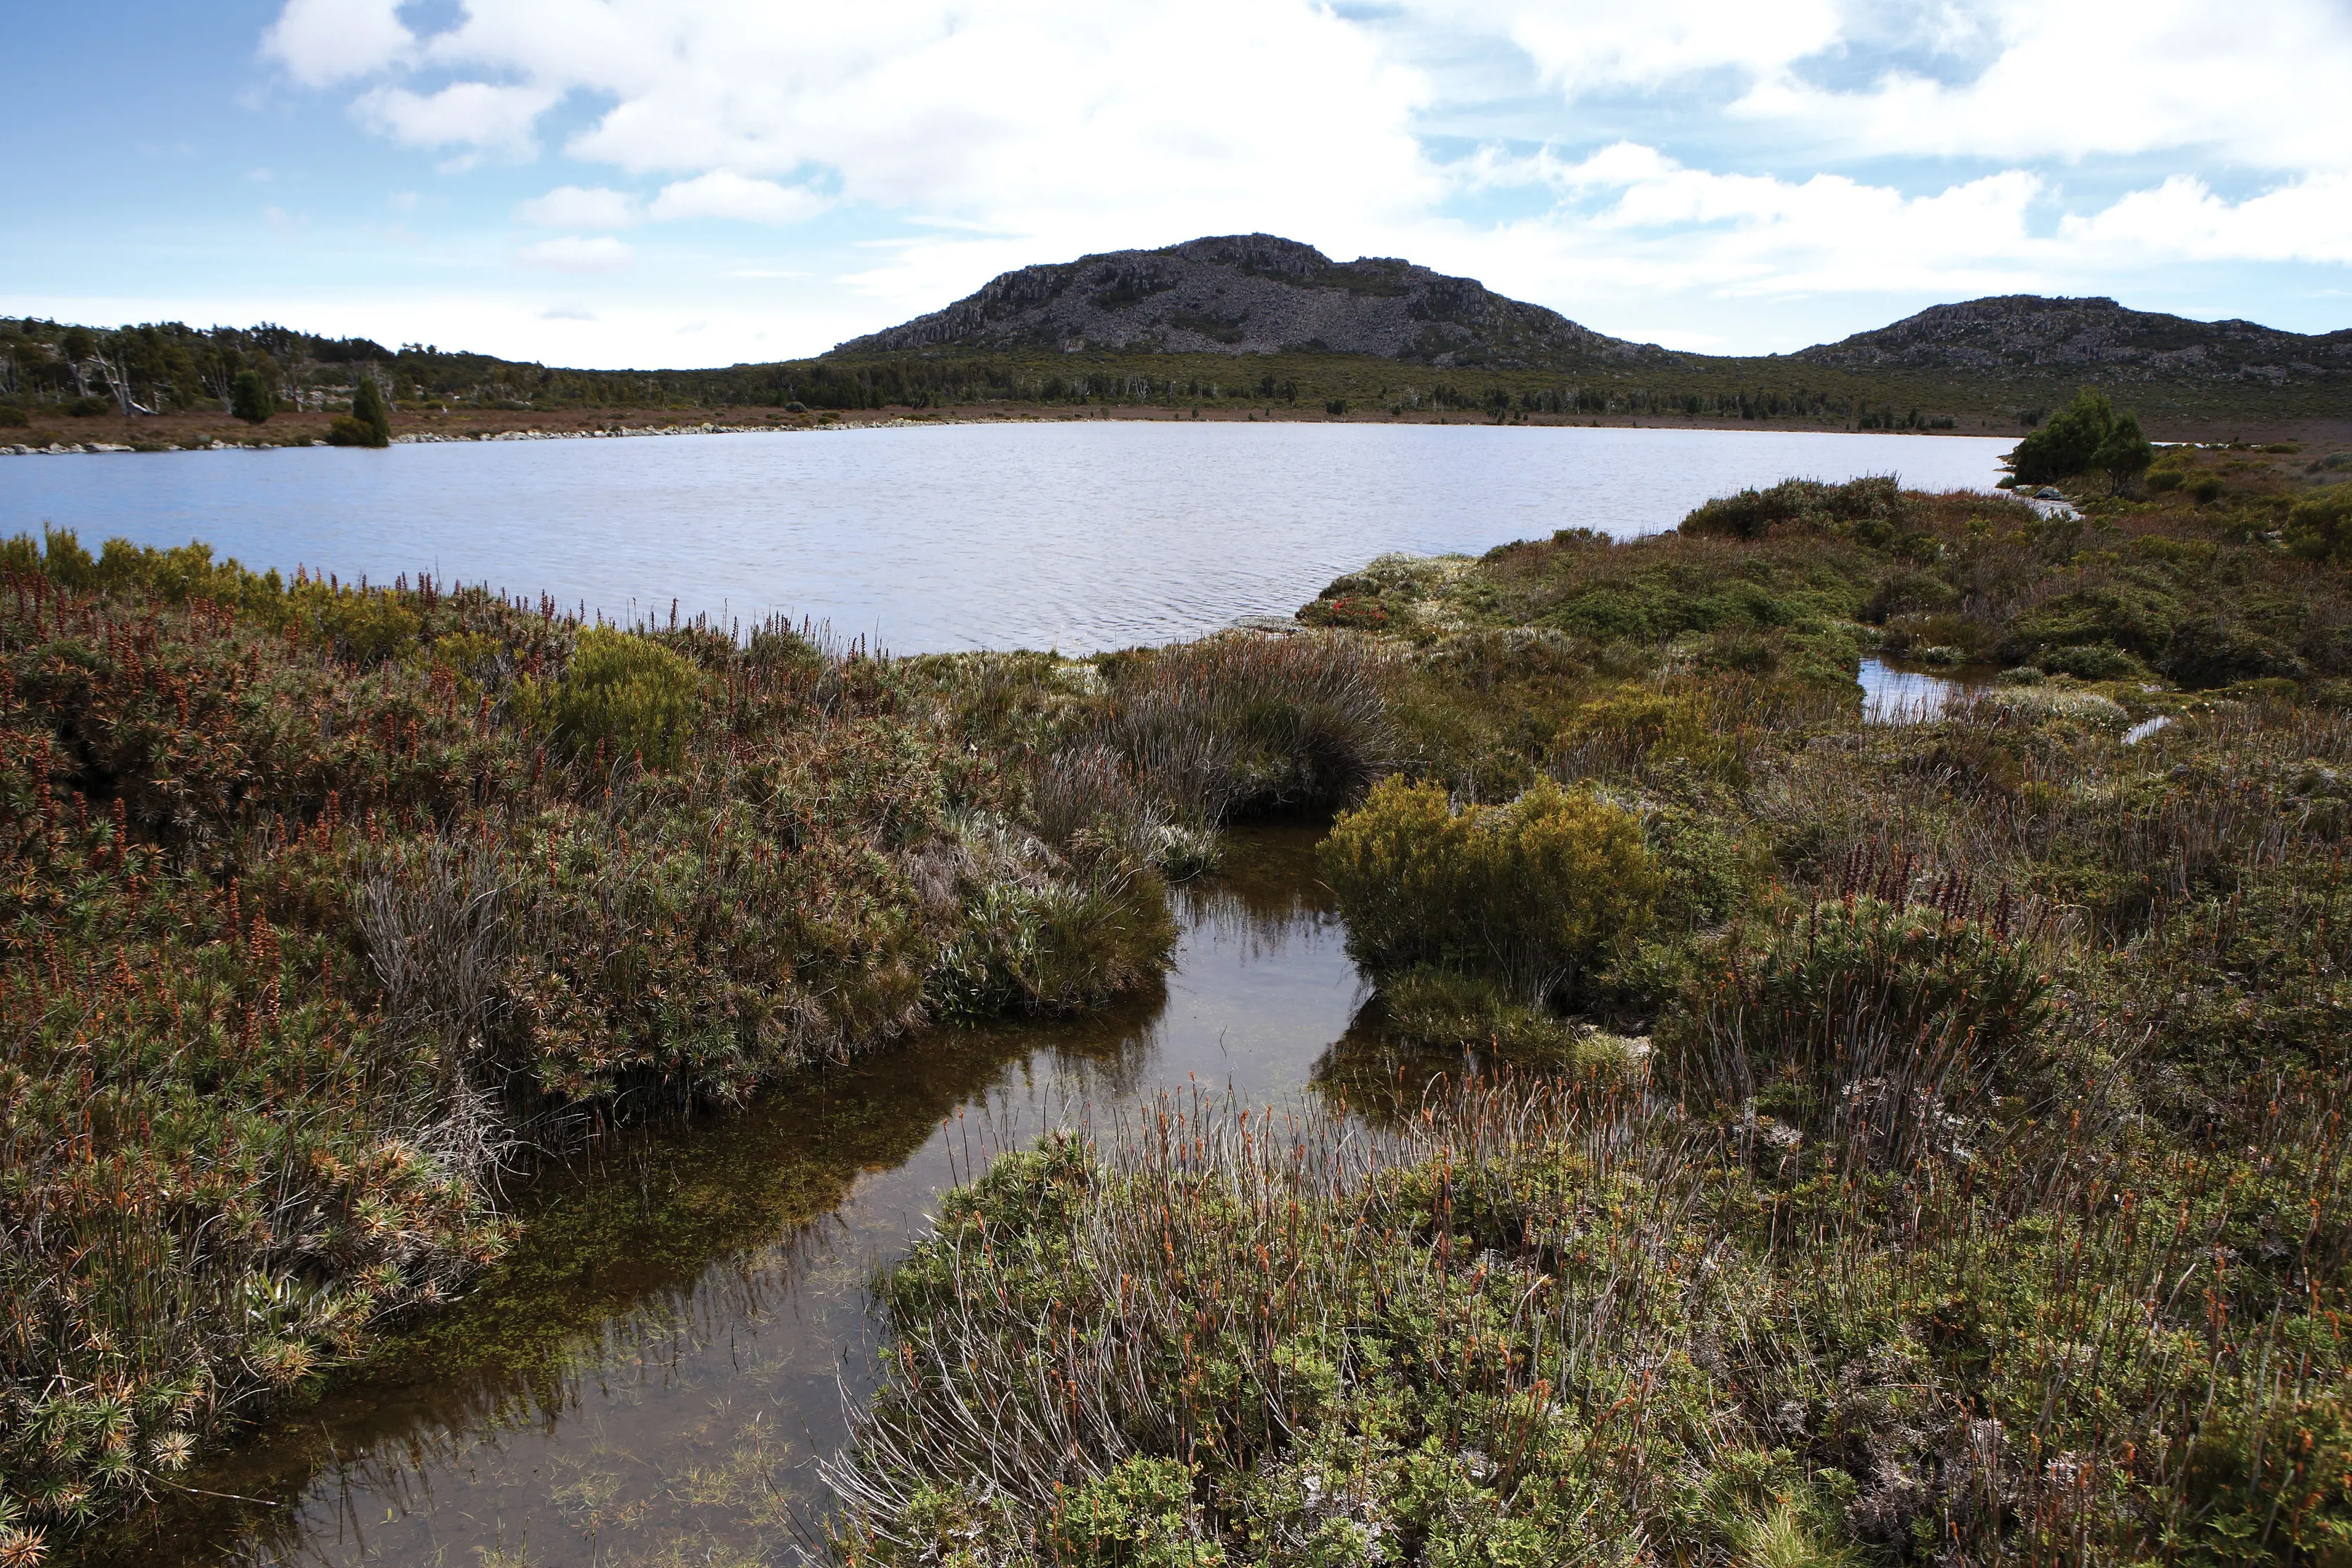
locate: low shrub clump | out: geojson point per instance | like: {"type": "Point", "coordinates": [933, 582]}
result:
{"type": "Point", "coordinates": [1526, 893]}
{"type": "Point", "coordinates": [622, 696]}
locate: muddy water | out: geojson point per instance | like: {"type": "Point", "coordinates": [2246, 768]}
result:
{"type": "Point", "coordinates": [652, 1376]}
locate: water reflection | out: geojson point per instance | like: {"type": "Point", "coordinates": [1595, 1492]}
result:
{"type": "Point", "coordinates": [1895, 695]}
{"type": "Point", "coordinates": [651, 1377]}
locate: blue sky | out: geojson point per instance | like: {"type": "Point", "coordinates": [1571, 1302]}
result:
{"type": "Point", "coordinates": [697, 181]}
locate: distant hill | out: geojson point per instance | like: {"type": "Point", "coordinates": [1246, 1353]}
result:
{"type": "Point", "coordinates": [1257, 294]}
{"type": "Point", "coordinates": [2028, 333]}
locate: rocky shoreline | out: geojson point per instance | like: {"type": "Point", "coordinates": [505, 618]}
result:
{"type": "Point", "coordinates": [429, 438]}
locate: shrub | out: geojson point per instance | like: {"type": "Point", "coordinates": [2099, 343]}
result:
{"type": "Point", "coordinates": [1799, 503]}
{"type": "Point", "coordinates": [346, 430]}
{"type": "Point", "coordinates": [13, 418]}
{"type": "Point", "coordinates": [368, 408]}
{"type": "Point", "coordinates": [1244, 723]}
{"type": "Point", "coordinates": [625, 694]}
{"type": "Point", "coordinates": [2321, 528]}
{"type": "Point", "coordinates": [2086, 434]}
{"type": "Point", "coordinates": [1450, 1010]}
{"type": "Point", "coordinates": [1525, 893]}
{"type": "Point", "coordinates": [1348, 611]}
{"type": "Point", "coordinates": [89, 407]}
{"type": "Point", "coordinates": [2210, 651]}
{"type": "Point", "coordinates": [1631, 726]}
{"type": "Point", "coordinates": [249, 399]}
{"type": "Point", "coordinates": [1860, 1018]}
{"type": "Point", "coordinates": [1335, 406]}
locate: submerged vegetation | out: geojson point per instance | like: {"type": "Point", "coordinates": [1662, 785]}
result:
{"type": "Point", "coordinates": [326, 905]}
{"type": "Point", "coordinates": [1878, 1143]}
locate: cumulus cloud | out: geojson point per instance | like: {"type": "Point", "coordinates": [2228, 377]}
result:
{"type": "Point", "coordinates": [581, 207]}
{"type": "Point", "coordinates": [484, 116]}
{"type": "Point", "coordinates": [1591, 45]}
{"type": "Point", "coordinates": [722, 193]}
{"type": "Point", "coordinates": [1723, 147]}
{"type": "Point", "coordinates": [2304, 220]}
{"type": "Point", "coordinates": [324, 41]}
{"type": "Point", "coordinates": [2266, 89]}
{"type": "Point", "coordinates": [576, 253]}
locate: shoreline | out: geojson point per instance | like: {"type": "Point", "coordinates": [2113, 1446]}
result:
{"type": "Point", "coordinates": [202, 433]}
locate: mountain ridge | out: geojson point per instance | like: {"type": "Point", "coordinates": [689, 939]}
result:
{"type": "Point", "coordinates": [1257, 293]}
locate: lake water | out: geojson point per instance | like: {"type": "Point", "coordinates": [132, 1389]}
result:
{"type": "Point", "coordinates": [1080, 535]}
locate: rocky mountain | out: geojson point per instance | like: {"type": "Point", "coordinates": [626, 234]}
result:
{"type": "Point", "coordinates": [2025, 333]}
{"type": "Point", "coordinates": [1244, 294]}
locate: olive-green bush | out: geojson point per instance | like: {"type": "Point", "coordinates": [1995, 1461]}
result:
{"type": "Point", "coordinates": [1526, 893]}
{"type": "Point", "coordinates": [627, 693]}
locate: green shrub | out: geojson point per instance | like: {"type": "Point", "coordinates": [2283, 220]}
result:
{"type": "Point", "coordinates": [622, 694]}
{"type": "Point", "coordinates": [2087, 434]}
{"type": "Point", "coordinates": [13, 418]}
{"type": "Point", "coordinates": [2091, 661]}
{"type": "Point", "coordinates": [1525, 893]}
{"type": "Point", "coordinates": [1631, 725]}
{"type": "Point", "coordinates": [346, 430]}
{"type": "Point", "coordinates": [249, 400]}
{"type": "Point", "coordinates": [1860, 1017]}
{"type": "Point", "coordinates": [2321, 528]}
{"type": "Point", "coordinates": [1449, 1010]}
{"type": "Point", "coordinates": [89, 407]}
{"type": "Point", "coordinates": [1801, 503]}
{"type": "Point", "coordinates": [2213, 651]}
{"type": "Point", "coordinates": [368, 407]}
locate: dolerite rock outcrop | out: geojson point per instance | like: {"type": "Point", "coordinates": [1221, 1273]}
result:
{"type": "Point", "coordinates": [2028, 332]}
{"type": "Point", "coordinates": [1246, 294]}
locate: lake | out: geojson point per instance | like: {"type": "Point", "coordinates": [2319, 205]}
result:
{"type": "Point", "coordinates": [1081, 535]}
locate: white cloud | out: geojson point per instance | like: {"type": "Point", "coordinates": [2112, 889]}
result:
{"type": "Point", "coordinates": [581, 207]}
{"type": "Point", "coordinates": [567, 313]}
{"type": "Point", "coordinates": [1737, 154]}
{"type": "Point", "coordinates": [2077, 80]}
{"type": "Point", "coordinates": [485, 116]}
{"type": "Point", "coordinates": [575, 253]}
{"type": "Point", "coordinates": [722, 193]}
{"type": "Point", "coordinates": [1606, 43]}
{"type": "Point", "coordinates": [324, 41]}
{"type": "Point", "coordinates": [2306, 220]}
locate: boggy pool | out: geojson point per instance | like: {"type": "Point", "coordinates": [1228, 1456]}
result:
{"type": "Point", "coordinates": [654, 1374]}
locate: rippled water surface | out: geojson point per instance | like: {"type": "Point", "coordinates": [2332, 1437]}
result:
{"type": "Point", "coordinates": [1082, 535]}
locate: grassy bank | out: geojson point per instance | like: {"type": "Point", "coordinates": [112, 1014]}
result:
{"type": "Point", "coordinates": [1935, 1150]}
{"type": "Point", "coordinates": [326, 908]}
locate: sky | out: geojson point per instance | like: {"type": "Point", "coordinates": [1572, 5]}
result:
{"type": "Point", "coordinates": [678, 183]}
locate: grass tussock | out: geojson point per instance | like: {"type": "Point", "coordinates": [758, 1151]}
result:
{"type": "Point", "coordinates": [323, 904]}
{"type": "Point", "coordinates": [1561, 1324]}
